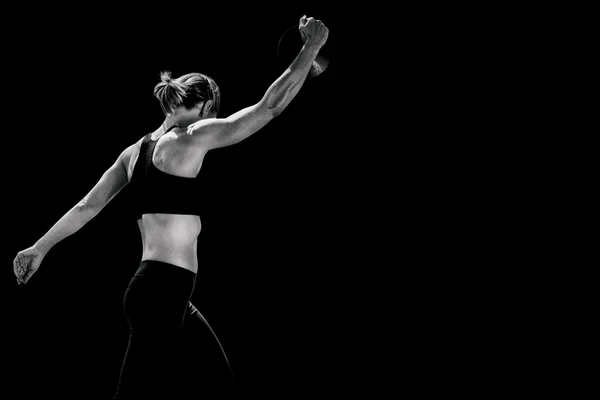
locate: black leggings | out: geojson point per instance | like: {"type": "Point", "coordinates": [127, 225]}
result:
{"type": "Point", "coordinates": [172, 351]}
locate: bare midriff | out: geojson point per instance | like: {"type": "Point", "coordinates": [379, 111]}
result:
{"type": "Point", "coordinates": [171, 238]}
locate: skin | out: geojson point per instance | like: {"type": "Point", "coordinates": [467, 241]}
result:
{"type": "Point", "coordinates": [166, 237]}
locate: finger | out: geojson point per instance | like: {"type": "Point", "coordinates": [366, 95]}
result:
{"type": "Point", "coordinates": [18, 275]}
{"type": "Point", "coordinates": [303, 34]}
{"type": "Point", "coordinates": [27, 276]}
{"type": "Point", "coordinates": [18, 267]}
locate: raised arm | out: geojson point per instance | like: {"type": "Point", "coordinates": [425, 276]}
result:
{"type": "Point", "coordinates": [218, 132]}
{"type": "Point", "coordinates": [112, 181]}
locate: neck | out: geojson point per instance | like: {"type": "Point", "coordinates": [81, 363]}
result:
{"type": "Point", "coordinates": [166, 124]}
{"type": "Point", "coordinates": [169, 122]}
{"type": "Point", "coordinates": [164, 127]}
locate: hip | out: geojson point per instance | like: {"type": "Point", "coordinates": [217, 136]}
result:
{"type": "Point", "coordinates": [163, 281]}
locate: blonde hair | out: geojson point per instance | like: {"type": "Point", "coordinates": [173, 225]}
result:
{"type": "Point", "coordinates": [187, 91]}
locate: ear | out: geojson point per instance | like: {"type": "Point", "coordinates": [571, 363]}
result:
{"type": "Point", "coordinates": [204, 107]}
{"type": "Point", "coordinates": [208, 106]}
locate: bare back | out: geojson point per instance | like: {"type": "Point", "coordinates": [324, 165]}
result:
{"type": "Point", "coordinates": [171, 238]}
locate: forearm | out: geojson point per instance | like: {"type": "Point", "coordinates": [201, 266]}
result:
{"type": "Point", "coordinates": [70, 223]}
{"type": "Point", "coordinates": [287, 86]}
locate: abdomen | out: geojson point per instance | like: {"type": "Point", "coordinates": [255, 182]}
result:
{"type": "Point", "coordinates": [171, 238]}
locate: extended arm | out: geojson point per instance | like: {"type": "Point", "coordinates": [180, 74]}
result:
{"type": "Point", "coordinates": [27, 261]}
{"type": "Point", "coordinates": [215, 132]}
{"type": "Point", "coordinates": [111, 182]}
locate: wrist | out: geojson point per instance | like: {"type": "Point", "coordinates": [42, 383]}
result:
{"type": "Point", "coordinates": [42, 246]}
{"type": "Point", "coordinates": [312, 47]}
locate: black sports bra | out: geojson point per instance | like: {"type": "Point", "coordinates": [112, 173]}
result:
{"type": "Point", "coordinates": [160, 192]}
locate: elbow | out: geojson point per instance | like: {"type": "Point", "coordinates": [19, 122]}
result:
{"type": "Point", "coordinates": [276, 111]}
{"type": "Point", "coordinates": [85, 207]}
{"type": "Point", "coordinates": [272, 109]}
{"type": "Point", "coordinates": [82, 206]}
{"type": "Point", "coordinates": [275, 102]}
{"type": "Point", "coordinates": [269, 108]}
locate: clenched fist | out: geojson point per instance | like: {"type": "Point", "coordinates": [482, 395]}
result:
{"type": "Point", "coordinates": [313, 31]}
{"type": "Point", "coordinates": [26, 263]}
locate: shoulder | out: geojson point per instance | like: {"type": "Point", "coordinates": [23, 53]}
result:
{"type": "Point", "coordinates": [129, 156]}
{"type": "Point", "coordinates": [132, 150]}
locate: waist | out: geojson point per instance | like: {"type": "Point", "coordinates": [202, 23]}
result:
{"type": "Point", "coordinates": [159, 270]}
{"type": "Point", "coordinates": [171, 238]}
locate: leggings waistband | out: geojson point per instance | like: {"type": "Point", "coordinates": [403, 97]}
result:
{"type": "Point", "coordinates": [150, 268]}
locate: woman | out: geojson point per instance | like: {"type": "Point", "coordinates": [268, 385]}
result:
{"type": "Point", "coordinates": [161, 167]}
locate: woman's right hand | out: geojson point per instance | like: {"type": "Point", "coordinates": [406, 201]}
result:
{"type": "Point", "coordinates": [313, 31]}
{"type": "Point", "coordinates": [26, 263]}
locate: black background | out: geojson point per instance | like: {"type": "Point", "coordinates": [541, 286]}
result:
{"type": "Point", "coordinates": [311, 227]}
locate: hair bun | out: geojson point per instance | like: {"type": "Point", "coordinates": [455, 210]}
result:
{"type": "Point", "coordinates": [165, 76]}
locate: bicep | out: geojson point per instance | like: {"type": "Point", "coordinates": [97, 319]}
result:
{"type": "Point", "coordinates": [219, 132]}
{"type": "Point", "coordinates": [111, 182]}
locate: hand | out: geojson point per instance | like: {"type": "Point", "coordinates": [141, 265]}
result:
{"type": "Point", "coordinates": [313, 31]}
{"type": "Point", "coordinates": [26, 263]}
